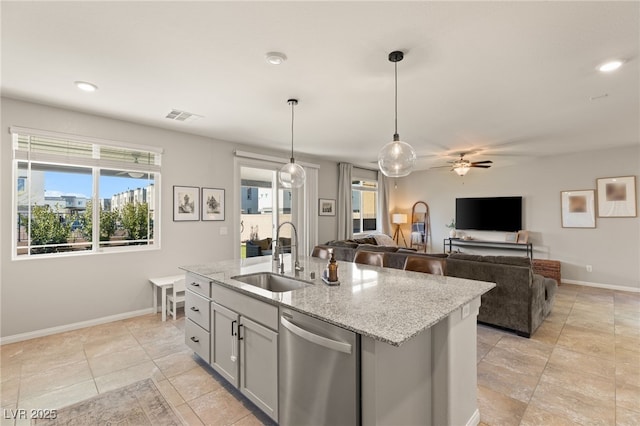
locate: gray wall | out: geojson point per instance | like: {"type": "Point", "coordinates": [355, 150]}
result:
{"type": "Point", "coordinates": [612, 248]}
{"type": "Point", "coordinates": [41, 293]}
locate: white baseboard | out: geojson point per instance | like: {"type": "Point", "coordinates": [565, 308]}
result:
{"type": "Point", "coordinates": [475, 419]}
{"type": "Point", "coordinates": [599, 285]}
{"type": "Point", "coordinates": [75, 326]}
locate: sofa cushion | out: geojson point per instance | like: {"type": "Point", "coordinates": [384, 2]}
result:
{"type": "Point", "coordinates": [342, 243]}
{"type": "Point", "coordinates": [365, 240]}
{"type": "Point", "coordinates": [372, 247]}
{"type": "Point", "coordinates": [503, 260]}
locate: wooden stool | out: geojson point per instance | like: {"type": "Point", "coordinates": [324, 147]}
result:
{"type": "Point", "coordinates": [373, 258]}
{"type": "Point", "coordinates": [429, 265]}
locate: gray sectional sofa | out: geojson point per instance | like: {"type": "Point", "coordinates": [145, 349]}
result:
{"type": "Point", "coordinates": [520, 301]}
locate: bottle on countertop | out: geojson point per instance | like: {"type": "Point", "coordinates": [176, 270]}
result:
{"type": "Point", "coordinates": [332, 268]}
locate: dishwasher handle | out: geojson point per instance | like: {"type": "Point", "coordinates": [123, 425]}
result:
{"type": "Point", "coordinates": [314, 338]}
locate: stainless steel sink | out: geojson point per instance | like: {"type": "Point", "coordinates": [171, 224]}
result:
{"type": "Point", "coordinates": [272, 282]}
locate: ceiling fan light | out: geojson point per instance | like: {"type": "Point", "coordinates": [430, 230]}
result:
{"type": "Point", "coordinates": [396, 159]}
{"type": "Point", "coordinates": [291, 175]}
{"type": "Point", "coordinates": [135, 175]}
{"type": "Point", "coordinates": [461, 169]}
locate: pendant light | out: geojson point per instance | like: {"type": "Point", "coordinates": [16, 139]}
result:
{"type": "Point", "coordinates": [397, 158]}
{"type": "Point", "coordinates": [291, 175]}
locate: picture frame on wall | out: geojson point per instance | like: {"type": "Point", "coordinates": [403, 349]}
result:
{"type": "Point", "coordinates": [617, 196]}
{"type": "Point", "coordinates": [578, 208]}
{"type": "Point", "coordinates": [213, 205]}
{"type": "Point", "coordinates": [186, 203]}
{"type": "Point", "coordinates": [326, 207]}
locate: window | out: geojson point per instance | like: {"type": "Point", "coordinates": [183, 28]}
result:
{"type": "Point", "coordinates": [364, 201]}
{"type": "Point", "coordinates": [77, 195]}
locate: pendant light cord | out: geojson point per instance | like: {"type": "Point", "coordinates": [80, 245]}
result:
{"type": "Point", "coordinates": [396, 97]}
{"type": "Point", "coordinates": [292, 105]}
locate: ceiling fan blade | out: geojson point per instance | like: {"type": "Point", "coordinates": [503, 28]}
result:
{"type": "Point", "coordinates": [480, 166]}
{"type": "Point", "coordinates": [439, 167]}
{"type": "Point", "coordinates": [482, 162]}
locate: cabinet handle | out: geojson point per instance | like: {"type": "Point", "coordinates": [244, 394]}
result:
{"type": "Point", "coordinates": [239, 335]}
{"type": "Point", "coordinates": [195, 284]}
{"type": "Point", "coordinates": [232, 323]}
{"type": "Point", "coordinates": [194, 309]}
{"type": "Point", "coordinates": [195, 339]}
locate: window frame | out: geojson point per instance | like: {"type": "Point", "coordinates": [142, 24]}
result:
{"type": "Point", "coordinates": [362, 188]}
{"type": "Point", "coordinates": [96, 165]}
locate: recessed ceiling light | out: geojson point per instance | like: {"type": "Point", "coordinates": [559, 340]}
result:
{"type": "Point", "coordinates": [84, 86]}
{"type": "Point", "coordinates": [610, 65]}
{"type": "Point", "coordinates": [275, 58]}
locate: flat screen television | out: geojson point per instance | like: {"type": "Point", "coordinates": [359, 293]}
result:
{"type": "Point", "coordinates": [489, 214]}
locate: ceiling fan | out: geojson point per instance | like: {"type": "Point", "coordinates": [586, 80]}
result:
{"type": "Point", "coordinates": [462, 166]}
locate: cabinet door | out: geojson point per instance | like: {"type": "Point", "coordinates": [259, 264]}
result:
{"type": "Point", "coordinates": [224, 342]}
{"type": "Point", "coordinates": [259, 365]}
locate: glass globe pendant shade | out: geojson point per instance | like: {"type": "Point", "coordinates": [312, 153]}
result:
{"type": "Point", "coordinates": [396, 159]}
{"type": "Point", "coordinates": [291, 175]}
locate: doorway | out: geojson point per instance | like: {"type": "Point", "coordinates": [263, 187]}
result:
{"type": "Point", "coordinates": [264, 205]}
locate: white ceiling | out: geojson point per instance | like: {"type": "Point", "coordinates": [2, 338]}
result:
{"type": "Point", "coordinates": [506, 80]}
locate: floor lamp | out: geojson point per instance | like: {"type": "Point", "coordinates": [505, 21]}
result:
{"type": "Point", "coordinates": [399, 219]}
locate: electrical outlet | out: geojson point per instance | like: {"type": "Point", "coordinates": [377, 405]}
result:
{"type": "Point", "coordinates": [224, 230]}
{"type": "Point", "coordinates": [589, 268]}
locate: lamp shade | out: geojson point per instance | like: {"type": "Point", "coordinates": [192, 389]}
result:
{"type": "Point", "coordinates": [398, 218]}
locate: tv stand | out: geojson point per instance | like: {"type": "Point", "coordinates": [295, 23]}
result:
{"type": "Point", "coordinates": [458, 242]}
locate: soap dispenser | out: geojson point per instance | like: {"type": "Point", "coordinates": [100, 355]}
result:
{"type": "Point", "coordinates": [332, 271]}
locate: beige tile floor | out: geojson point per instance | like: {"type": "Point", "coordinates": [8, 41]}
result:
{"type": "Point", "coordinates": [581, 367]}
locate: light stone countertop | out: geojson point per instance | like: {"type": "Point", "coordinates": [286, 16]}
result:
{"type": "Point", "coordinates": [386, 304]}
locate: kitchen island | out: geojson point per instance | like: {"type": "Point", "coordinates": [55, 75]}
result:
{"type": "Point", "coordinates": [416, 351]}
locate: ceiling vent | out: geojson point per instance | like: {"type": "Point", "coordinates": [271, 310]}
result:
{"type": "Point", "coordinates": [177, 115]}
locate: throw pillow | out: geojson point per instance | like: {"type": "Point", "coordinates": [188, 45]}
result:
{"type": "Point", "coordinates": [384, 240]}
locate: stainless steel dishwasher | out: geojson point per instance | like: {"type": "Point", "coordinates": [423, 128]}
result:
{"type": "Point", "coordinates": [319, 372]}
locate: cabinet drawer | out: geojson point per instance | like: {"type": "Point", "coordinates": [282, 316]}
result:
{"type": "Point", "coordinates": [198, 284]}
{"type": "Point", "coordinates": [196, 308]}
{"type": "Point", "coordinates": [198, 339]}
{"type": "Point", "coordinates": [257, 310]}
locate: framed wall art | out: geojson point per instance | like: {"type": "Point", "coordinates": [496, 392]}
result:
{"type": "Point", "coordinates": [186, 203]}
{"type": "Point", "coordinates": [617, 196]}
{"type": "Point", "coordinates": [578, 209]}
{"type": "Point", "coordinates": [212, 204]}
{"type": "Point", "coordinates": [326, 207]}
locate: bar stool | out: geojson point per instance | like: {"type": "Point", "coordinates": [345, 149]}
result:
{"type": "Point", "coordinates": [373, 258]}
{"type": "Point", "coordinates": [320, 252]}
{"type": "Point", "coordinates": [177, 296]}
{"type": "Point", "coordinates": [428, 265]}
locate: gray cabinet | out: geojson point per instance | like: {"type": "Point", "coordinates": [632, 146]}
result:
{"type": "Point", "coordinates": [224, 345]}
{"type": "Point", "coordinates": [237, 335]}
{"type": "Point", "coordinates": [259, 365]}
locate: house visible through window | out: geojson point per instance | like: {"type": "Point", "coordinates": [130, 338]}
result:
{"type": "Point", "coordinates": [364, 201]}
{"type": "Point", "coordinates": [79, 195]}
